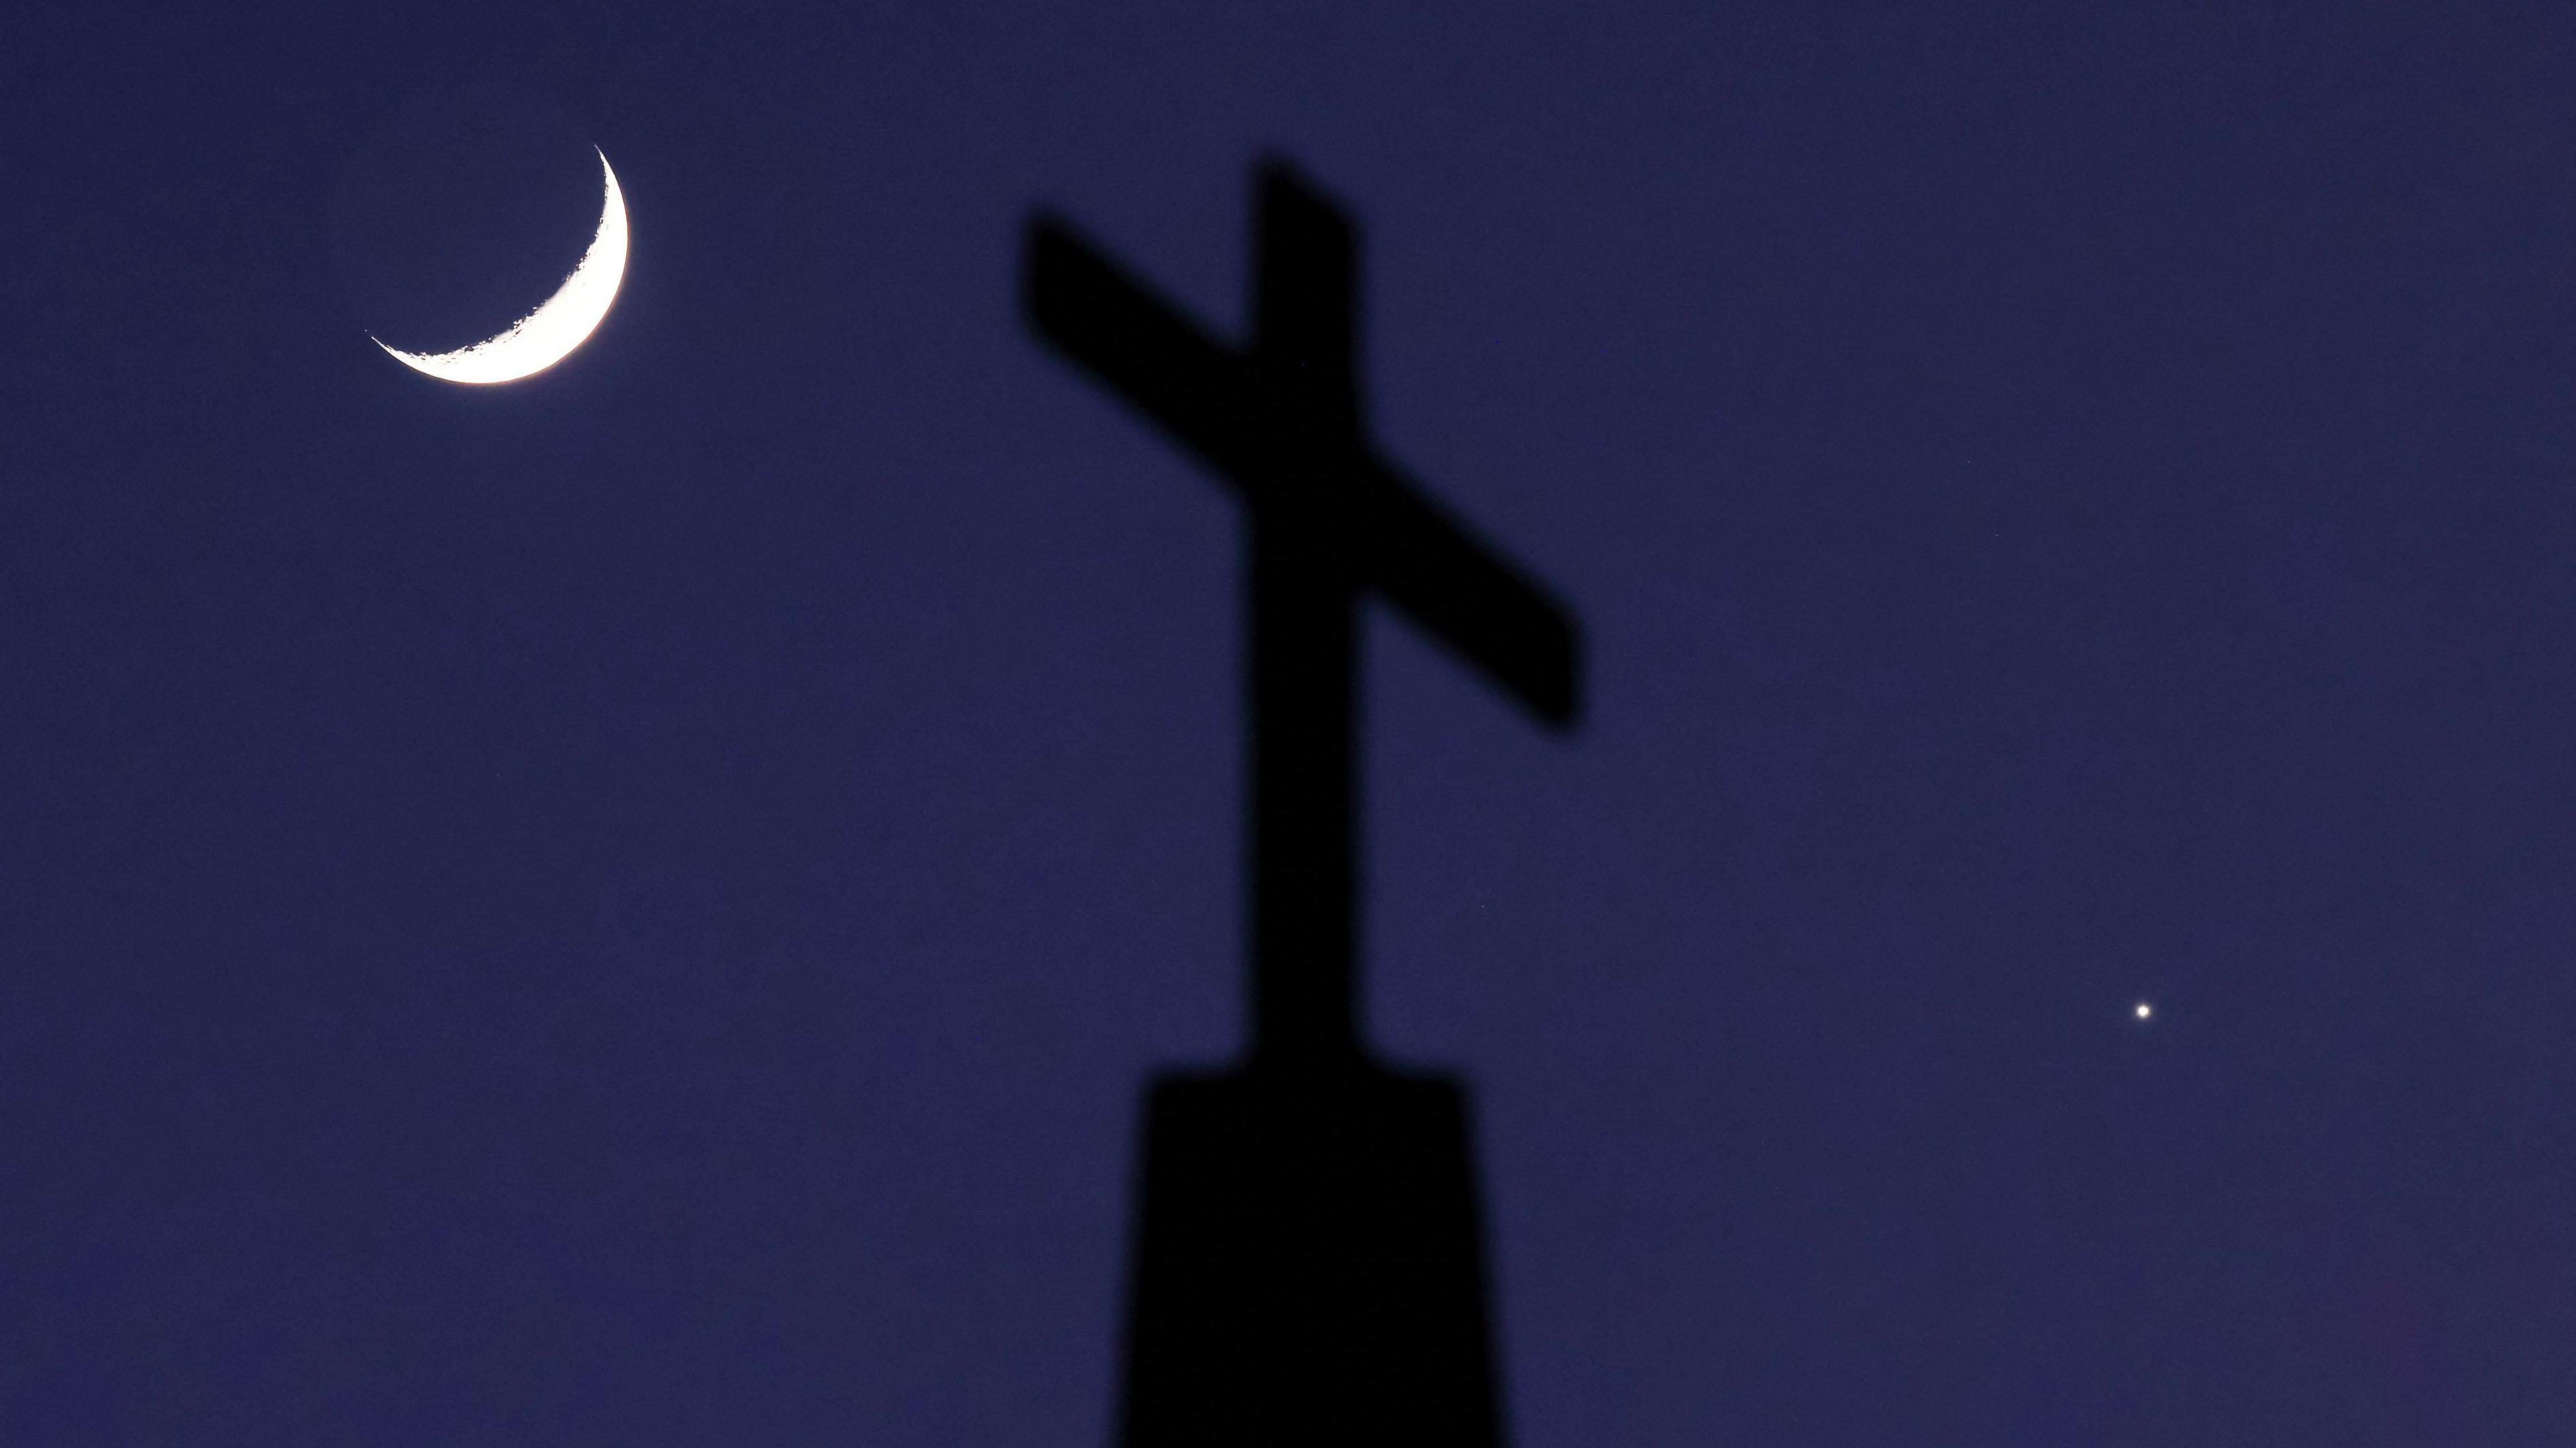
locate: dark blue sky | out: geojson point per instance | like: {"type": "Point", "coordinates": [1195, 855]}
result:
{"type": "Point", "coordinates": [635, 907]}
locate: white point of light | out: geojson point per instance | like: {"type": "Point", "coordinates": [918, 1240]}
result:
{"type": "Point", "coordinates": [2145, 1010]}
{"type": "Point", "coordinates": [562, 322]}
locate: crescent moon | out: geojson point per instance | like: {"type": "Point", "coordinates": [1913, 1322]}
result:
{"type": "Point", "coordinates": [562, 322]}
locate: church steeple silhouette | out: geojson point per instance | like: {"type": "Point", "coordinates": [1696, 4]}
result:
{"type": "Point", "coordinates": [1308, 1265]}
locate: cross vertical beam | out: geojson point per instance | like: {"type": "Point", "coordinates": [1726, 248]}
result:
{"type": "Point", "coordinates": [1302, 620]}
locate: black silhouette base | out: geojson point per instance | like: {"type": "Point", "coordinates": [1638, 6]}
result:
{"type": "Point", "coordinates": [1308, 1265]}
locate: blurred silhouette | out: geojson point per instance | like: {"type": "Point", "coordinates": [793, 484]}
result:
{"type": "Point", "coordinates": [1308, 1266]}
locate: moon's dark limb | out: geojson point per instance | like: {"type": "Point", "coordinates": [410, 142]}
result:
{"type": "Point", "coordinates": [465, 211]}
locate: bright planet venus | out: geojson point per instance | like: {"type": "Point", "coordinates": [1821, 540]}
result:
{"type": "Point", "coordinates": [560, 323]}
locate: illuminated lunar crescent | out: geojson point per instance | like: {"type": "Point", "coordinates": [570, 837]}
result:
{"type": "Point", "coordinates": [562, 322]}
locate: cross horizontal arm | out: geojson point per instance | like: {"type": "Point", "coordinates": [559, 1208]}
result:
{"type": "Point", "coordinates": [1206, 395]}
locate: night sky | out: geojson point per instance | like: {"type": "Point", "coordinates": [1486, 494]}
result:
{"type": "Point", "coordinates": [635, 907]}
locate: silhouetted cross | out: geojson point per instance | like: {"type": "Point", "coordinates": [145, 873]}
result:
{"type": "Point", "coordinates": [1280, 419]}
